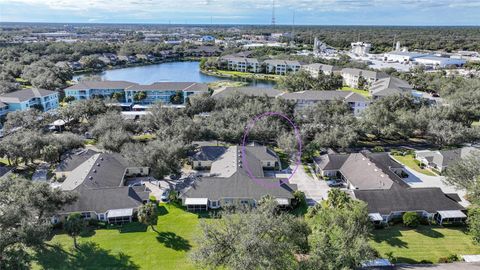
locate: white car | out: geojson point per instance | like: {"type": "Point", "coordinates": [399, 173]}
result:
{"type": "Point", "coordinates": [165, 195]}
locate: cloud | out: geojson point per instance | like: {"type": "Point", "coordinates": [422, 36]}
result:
{"type": "Point", "coordinates": [250, 11]}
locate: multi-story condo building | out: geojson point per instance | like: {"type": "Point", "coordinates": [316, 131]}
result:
{"type": "Point", "coordinates": [281, 67]}
{"type": "Point", "coordinates": [303, 99]}
{"type": "Point", "coordinates": [351, 77]}
{"type": "Point", "coordinates": [317, 68]}
{"type": "Point", "coordinates": [92, 89]}
{"type": "Point", "coordinates": [163, 91]}
{"type": "Point", "coordinates": [242, 64]}
{"type": "Point", "coordinates": [21, 100]}
{"type": "Point", "coordinates": [156, 92]}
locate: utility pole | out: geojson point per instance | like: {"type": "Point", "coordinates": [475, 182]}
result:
{"type": "Point", "coordinates": [273, 13]}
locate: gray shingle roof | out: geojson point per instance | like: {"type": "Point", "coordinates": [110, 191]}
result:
{"type": "Point", "coordinates": [249, 91]}
{"type": "Point", "coordinates": [174, 86]}
{"type": "Point", "coordinates": [84, 85]}
{"type": "Point", "coordinates": [313, 95]}
{"type": "Point", "coordinates": [74, 159]}
{"type": "Point", "coordinates": [233, 181]}
{"type": "Point", "coordinates": [443, 158]}
{"type": "Point", "coordinates": [209, 153]}
{"type": "Point", "coordinates": [406, 199]}
{"type": "Point", "coordinates": [365, 73]}
{"type": "Point", "coordinates": [103, 199]}
{"type": "Point", "coordinates": [100, 170]}
{"type": "Point", "coordinates": [239, 185]}
{"type": "Point", "coordinates": [390, 86]}
{"type": "Point", "coordinates": [331, 161]}
{"type": "Point", "coordinates": [25, 94]}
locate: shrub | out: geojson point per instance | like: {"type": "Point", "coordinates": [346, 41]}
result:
{"type": "Point", "coordinates": [378, 149]}
{"type": "Point", "coordinates": [451, 258]}
{"type": "Point", "coordinates": [411, 219]}
{"type": "Point", "coordinates": [299, 198]}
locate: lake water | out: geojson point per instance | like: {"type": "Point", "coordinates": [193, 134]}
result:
{"type": "Point", "coordinates": [168, 72]}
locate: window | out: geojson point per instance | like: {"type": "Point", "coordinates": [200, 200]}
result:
{"type": "Point", "coordinates": [101, 217]}
{"type": "Point", "coordinates": [86, 215]}
{"type": "Point", "coordinates": [214, 203]}
{"type": "Point", "coordinates": [199, 164]}
{"type": "Point", "coordinates": [268, 164]}
{"type": "Point", "coordinates": [244, 201]}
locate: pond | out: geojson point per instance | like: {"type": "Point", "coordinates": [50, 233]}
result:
{"type": "Point", "coordinates": [188, 71]}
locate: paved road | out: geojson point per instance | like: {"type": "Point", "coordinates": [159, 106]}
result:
{"type": "Point", "coordinates": [443, 266]}
{"type": "Point", "coordinates": [314, 189]}
{"type": "Point", "coordinates": [419, 180]}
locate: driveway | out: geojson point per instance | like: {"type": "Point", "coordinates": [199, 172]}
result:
{"type": "Point", "coordinates": [420, 180]}
{"type": "Point", "coordinates": [314, 189]}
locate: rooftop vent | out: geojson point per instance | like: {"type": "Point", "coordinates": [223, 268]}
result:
{"type": "Point", "coordinates": [90, 177]}
{"type": "Point", "coordinates": [101, 158]}
{"type": "Point", "coordinates": [98, 164]}
{"type": "Point", "coordinates": [94, 170]}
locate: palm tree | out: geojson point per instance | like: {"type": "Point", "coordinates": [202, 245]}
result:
{"type": "Point", "coordinates": [74, 225]}
{"type": "Point", "coordinates": [147, 214]}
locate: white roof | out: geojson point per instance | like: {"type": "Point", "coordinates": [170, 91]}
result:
{"type": "Point", "coordinates": [282, 201]}
{"type": "Point", "coordinates": [120, 213]}
{"type": "Point", "coordinates": [196, 201]}
{"type": "Point", "coordinates": [375, 216]}
{"type": "Point", "coordinates": [138, 106]}
{"type": "Point", "coordinates": [452, 214]}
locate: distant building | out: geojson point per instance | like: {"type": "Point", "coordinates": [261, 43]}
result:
{"type": "Point", "coordinates": [439, 62]}
{"type": "Point", "coordinates": [21, 100]}
{"type": "Point", "coordinates": [156, 92]}
{"type": "Point", "coordinates": [319, 47]}
{"type": "Point", "coordinates": [281, 67]}
{"type": "Point", "coordinates": [402, 57]}
{"type": "Point", "coordinates": [361, 48]}
{"type": "Point", "coordinates": [351, 77]}
{"type": "Point", "coordinates": [441, 159]}
{"type": "Point", "coordinates": [242, 64]}
{"type": "Point", "coordinates": [303, 99]}
{"type": "Point", "coordinates": [389, 86]}
{"type": "Point", "coordinates": [317, 68]}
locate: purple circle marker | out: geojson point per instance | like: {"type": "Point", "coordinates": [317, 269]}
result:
{"type": "Point", "coordinates": [248, 127]}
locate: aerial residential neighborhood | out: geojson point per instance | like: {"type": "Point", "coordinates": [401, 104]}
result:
{"type": "Point", "coordinates": [279, 135]}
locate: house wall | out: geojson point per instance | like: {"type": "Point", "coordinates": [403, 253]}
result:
{"type": "Point", "coordinates": [202, 164]}
{"type": "Point", "coordinates": [132, 171]}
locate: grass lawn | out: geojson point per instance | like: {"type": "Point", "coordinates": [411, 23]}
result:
{"type": "Point", "coordinates": [426, 243]}
{"type": "Point", "coordinates": [364, 93]}
{"type": "Point", "coordinates": [412, 163]}
{"type": "Point", "coordinates": [133, 246]}
{"type": "Point", "coordinates": [220, 84]}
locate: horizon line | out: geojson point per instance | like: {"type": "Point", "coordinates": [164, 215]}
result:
{"type": "Point", "coordinates": [242, 24]}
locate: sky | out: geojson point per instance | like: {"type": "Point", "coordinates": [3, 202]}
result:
{"type": "Point", "coordinates": [303, 12]}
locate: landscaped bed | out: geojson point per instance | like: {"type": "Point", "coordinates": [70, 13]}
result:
{"type": "Point", "coordinates": [133, 246]}
{"type": "Point", "coordinates": [425, 243]}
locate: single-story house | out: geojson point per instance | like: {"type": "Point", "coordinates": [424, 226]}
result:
{"type": "Point", "coordinates": [441, 159]}
{"type": "Point", "coordinates": [99, 182]}
{"type": "Point", "coordinates": [375, 179]}
{"type": "Point", "coordinates": [231, 184]}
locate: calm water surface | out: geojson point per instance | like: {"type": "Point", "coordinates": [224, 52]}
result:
{"type": "Point", "coordinates": [168, 72]}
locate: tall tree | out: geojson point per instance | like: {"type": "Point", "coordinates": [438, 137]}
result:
{"type": "Point", "coordinates": [258, 238]}
{"type": "Point", "coordinates": [147, 214]}
{"type": "Point", "coordinates": [26, 209]}
{"type": "Point", "coordinates": [74, 225]}
{"type": "Point", "coordinates": [340, 237]}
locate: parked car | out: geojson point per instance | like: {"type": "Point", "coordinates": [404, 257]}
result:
{"type": "Point", "coordinates": [165, 195]}
{"type": "Point", "coordinates": [333, 183]}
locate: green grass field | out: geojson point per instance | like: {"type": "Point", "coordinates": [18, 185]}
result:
{"type": "Point", "coordinates": [412, 163]}
{"type": "Point", "coordinates": [364, 93]}
{"type": "Point", "coordinates": [134, 246]}
{"type": "Point", "coordinates": [426, 243]}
